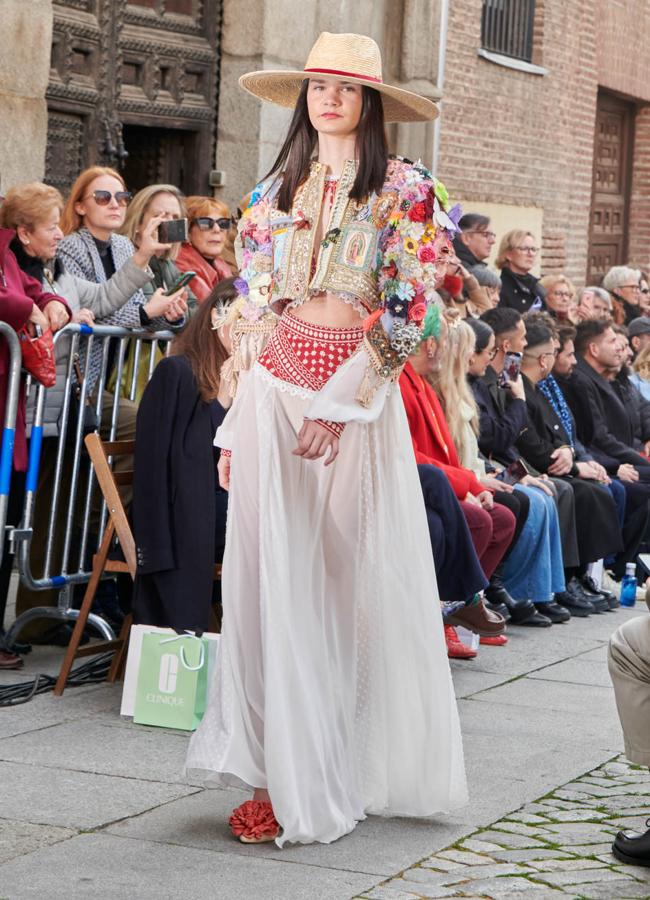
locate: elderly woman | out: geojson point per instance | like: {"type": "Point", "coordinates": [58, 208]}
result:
{"type": "Point", "coordinates": [520, 289]}
{"type": "Point", "coordinates": [34, 211]}
{"type": "Point", "coordinates": [162, 202]}
{"type": "Point", "coordinates": [209, 223]}
{"type": "Point", "coordinates": [593, 303]}
{"type": "Point", "coordinates": [560, 298]}
{"type": "Point", "coordinates": [624, 286]}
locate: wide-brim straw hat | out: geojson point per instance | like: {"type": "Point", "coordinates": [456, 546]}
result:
{"type": "Point", "coordinates": [350, 57]}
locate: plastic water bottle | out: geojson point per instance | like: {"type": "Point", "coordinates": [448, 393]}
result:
{"type": "Point", "coordinates": [628, 585]}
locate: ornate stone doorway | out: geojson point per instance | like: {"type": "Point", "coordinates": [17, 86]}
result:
{"type": "Point", "coordinates": [134, 84]}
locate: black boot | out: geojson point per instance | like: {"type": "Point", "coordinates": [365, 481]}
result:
{"type": "Point", "coordinates": [632, 848]}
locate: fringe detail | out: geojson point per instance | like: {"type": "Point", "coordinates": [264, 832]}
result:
{"type": "Point", "coordinates": [366, 391]}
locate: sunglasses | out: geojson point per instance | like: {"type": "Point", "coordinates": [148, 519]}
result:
{"type": "Point", "coordinates": [103, 198]}
{"type": "Point", "coordinates": [207, 223]}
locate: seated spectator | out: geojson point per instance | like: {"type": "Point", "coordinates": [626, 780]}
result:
{"type": "Point", "coordinates": [434, 447]}
{"type": "Point", "coordinates": [632, 398]}
{"type": "Point", "coordinates": [23, 303]}
{"type": "Point", "coordinates": [624, 286]}
{"type": "Point", "coordinates": [33, 210]}
{"type": "Point", "coordinates": [560, 298]}
{"type": "Point", "coordinates": [638, 334]}
{"type": "Point", "coordinates": [474, 243]}
{"type": "Point", "coordinates": [490, 283]}
{"type": "Point", "coordinates": [503, 424]}
{"type": "Point", "coordinates": [531, 568]}
{"type": "Point", "coordinates": [520, 289]}
{"type": "Point", "coordinates": [593, 303]}
{"type": "Point", "coordinates": [162, 202]}
{"type": "Point", "coordinates": [461, 291]}
{"type": "Point", "coordinates": [640, 376]}
{"type": "Point", "coordinates": [179, 509]}
{"type": "Point", "coordinates": [644, 301]}
{"type": "Point", "coordinates": [603, 424]}
{"type": "Point", "coordinates": [209, 224]}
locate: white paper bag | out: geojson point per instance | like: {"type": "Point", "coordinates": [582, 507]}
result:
{"type": "Point", "coordinates": [133, 661]}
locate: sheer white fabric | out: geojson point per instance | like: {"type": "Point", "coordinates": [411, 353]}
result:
{"type": "Point", "coordinates": [332, 687]}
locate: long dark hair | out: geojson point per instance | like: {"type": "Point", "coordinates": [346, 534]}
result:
{"type": "Point", "coordinates": [296, 153]}
{"type": "Point", "coordinates": [202, 346]}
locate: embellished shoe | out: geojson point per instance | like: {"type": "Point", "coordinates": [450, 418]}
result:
{"type": "Point", "coordinates": [495, 640]}
{"type": "Point", "coordinates": [254, 823]}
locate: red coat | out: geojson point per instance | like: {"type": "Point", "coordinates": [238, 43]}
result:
{"type": "Point", "coordinates": [430, 435]}
{"type": "Point", "coordinates": [18, 293]}
{"type": "Point", "coordinates": [208, 274]}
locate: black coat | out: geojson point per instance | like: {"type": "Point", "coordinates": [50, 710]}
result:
{"type": "Point", "coordinates": [603, 423]}
{"type": "Point", "coordinates": [637, 406]}
{"type": "Point", "coordinates": [520, 292]}
{"type": "Point", "coordinates": [178, 508]}
{"type": "Point", "coordinates": [545, 432]}
{"type": "Point", "coordinates": [501, 418]}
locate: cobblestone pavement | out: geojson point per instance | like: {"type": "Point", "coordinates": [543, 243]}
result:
{"type": "Point", "coordinates": [556, 846]}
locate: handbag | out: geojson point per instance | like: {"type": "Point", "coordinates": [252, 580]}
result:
{"type": "Point", "coordinates": [38, 355]}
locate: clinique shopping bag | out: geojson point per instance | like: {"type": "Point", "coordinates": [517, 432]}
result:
{"type": "Point", "coordinates": [136, 636]}
{"type": "Point", "coordinates": [172, 685]}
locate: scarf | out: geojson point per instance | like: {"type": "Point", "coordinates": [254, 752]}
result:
{"type": "Point", "coordinates": [553, 393]}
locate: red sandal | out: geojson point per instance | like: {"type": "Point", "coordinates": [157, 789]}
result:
{"type": "Point", "coordinates": [254, 822]}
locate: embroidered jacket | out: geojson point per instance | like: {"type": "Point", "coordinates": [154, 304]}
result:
{"type": "Point", "coordinates": [380, 255]}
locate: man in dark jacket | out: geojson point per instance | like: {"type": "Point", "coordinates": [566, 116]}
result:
{"type": "Point", "coordinates": [603, 423]}
{"type": "Point", "coordinates": [474, 243]}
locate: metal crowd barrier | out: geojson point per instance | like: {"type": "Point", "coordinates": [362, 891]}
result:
{"type": "Point", "coordinates": [70, 517]}
{"type": "Point", "coordinates": [9, 430]}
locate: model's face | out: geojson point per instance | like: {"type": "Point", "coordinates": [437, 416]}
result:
{"type": "Point", "coordinates": [105, 216]}
{"type": "Point", "coordinates": [43, 239]}
{"type": "Point", "coordinates": [565, 360]}
{"type": "Point", "coordinates": [479, 361]}
{"type": "Point", "coordinates": [334, 106]}
{"type": "Point", "coordinates": [209, 240]}
{"type": "Point", "coordinates": [559, 298]}
{"type": "Point", "coordinates": [480, 241]}
{"type": "Point", "coordinates": [521, 258]}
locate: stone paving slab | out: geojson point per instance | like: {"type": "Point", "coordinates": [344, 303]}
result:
{"type": "Point", "coordinates": [19, 838]}
{"type": "Point", "coordinates": [531, 853]}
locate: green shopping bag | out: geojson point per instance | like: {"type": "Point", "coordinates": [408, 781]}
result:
{"type": "Point", "coordinates": [172, 681]}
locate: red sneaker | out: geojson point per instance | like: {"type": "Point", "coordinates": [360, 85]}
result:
{"type": "Point", "coordinates": [456, 649]}
{"type": "Point", "coordinates": [497, 640]}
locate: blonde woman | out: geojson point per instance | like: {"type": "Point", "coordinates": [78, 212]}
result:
{"type": "Point", "coordinates": [209, 223]}
{"type": "Point", "coordinates": [561, 299]}
{"type": "Point", "coordinates": [162, 202]}
{"type": "Point", "coordinates": [640, 376]}
{"type": "Point", "coordinates": [520, 289]}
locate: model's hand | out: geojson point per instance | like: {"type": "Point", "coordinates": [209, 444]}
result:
{"type": "Point", "coordinates": [56, 314]}
{"type": "Point", "coordinates": [37, 317]}
{"type": "Point", "coordinates": [315, 440]}
{"type": "Point", "coordinates": [562, 461]}
{"type": "Point", "coordinates": [627, 472]}
{"type": "Point", "coordinates": [531, 481]}
{"type": "Point", "coordinates": [223, 471]}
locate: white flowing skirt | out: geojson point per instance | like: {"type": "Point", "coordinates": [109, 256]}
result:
{"type": "Point", "coordinates": [332, 686]}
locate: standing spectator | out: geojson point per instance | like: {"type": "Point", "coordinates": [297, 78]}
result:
{"type": "Point", "coordinates": [163, 202]}
{"type": "Point", "coordinates": [560, 298]}
{"type": "Point", "coordinates": [474, 243]}
{"type": "Point", "coordinates": [624, 286]}
{"type": "Point", "coordinates": [22, 303]}
{"type": "Point", "coordinates": [209, 223]}
{"type": "Point", "coordinates": [520, 289]}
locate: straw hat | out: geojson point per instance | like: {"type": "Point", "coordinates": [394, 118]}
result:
{"type": "Point", "coordinates": [351, 57]}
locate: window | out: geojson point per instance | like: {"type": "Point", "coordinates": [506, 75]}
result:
{"type": "Point", "coordinates": [507, 28]}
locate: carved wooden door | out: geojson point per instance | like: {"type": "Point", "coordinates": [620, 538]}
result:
{"type": "Point", "coordinates": [134, 85]}
{"type": "Point", "coordinates": [611, 186]}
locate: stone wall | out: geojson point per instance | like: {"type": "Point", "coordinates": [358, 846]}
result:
{"type": "Point", "coordinates": [24, 70]}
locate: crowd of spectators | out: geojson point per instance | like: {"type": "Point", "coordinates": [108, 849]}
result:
{"type": "Point", "coordinates": [528, 402]}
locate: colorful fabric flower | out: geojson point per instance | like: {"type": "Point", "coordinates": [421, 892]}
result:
{"type": "Point", "coordinates": [254, 819]}
{"type": "Point", "coordinates": [441, 193]}
{"type": "Point", "coordinates": [241, 286]}
{"type": "Point", "coordinates": [397, 305]}
{"type": "Point", "coordinates": [418, 212]}
{"type": "Point", "coordinates": [426, 253]}
{"type": "Point", "coordinates": [417, 312]}
{"type": "Point", "coordinates": [410, 245]}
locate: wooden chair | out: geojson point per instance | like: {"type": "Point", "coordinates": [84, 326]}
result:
{"type": "Point", "coordinates": [117, 526]}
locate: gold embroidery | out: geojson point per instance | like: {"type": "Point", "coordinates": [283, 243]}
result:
{"type": "Point", "coordinates": [384, 359]}
{"type": "Point", "coordinates": [300, 242]}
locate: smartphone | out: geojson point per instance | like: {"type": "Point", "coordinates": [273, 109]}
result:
{"type": "Point", "coordinates": [511, 369]}
{"type": "Point", "coordinates": [172, 231]}
{"type": "Point", "coordinates": [185, 278]}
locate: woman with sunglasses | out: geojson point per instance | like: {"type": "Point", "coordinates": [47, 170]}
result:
{"type": "Point", "coordinates": [209, 222]}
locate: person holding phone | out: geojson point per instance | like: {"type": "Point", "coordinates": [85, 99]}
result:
{"type": "Point", "coordinates": [166, 204]}
{"type": "Point", "coordinates": [209, 221]}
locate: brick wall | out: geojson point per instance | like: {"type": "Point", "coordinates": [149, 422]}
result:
{"type": "Point", "coordinates": [639, 229]}
{"type": "Point", "coordinates": [517, 138]}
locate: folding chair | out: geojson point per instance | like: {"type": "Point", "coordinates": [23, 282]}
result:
{"type": "Point", "coordinates": [116, 526]}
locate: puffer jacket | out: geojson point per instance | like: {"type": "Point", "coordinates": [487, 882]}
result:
{"type": "Point", "coordinates": [102, 299]}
